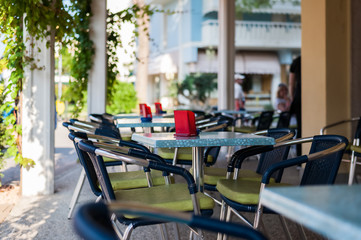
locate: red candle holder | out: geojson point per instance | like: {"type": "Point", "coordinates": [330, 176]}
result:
{"type": "Point", "coordinates": [185, 124]}
{"type": "Point", "coordinates": [141, 108]}
{"type": "Point", "coordinates": [158, 108]}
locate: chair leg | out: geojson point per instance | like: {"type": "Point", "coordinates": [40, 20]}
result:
{"type": "Point", "coordinates": [114, 220]}
{"type": "Point", "coordinates": [162, 231]}
{"type": "Point", "coordinates": [191, 234]}
{"type": "Point", "coordinates": [258, 215]}
{"type": "Point", "coordinates": [351, 175]}
{"type": "Point", "coordinates": [301, 230]}
{"type": "Point", "coordinates": [128, 231]}
{"type": "Point", "coordinates": [214, 199]}
{"type": "Point", "coordinates": [285, 227]}
{"type": "Point", "coordinates": [100, 197]}
{"type": "Point", "coordinates": [195, 234]}
{"type": "Point", "coordinates": [221, 218]}
{"type": "Point", "coordinates": [76, 193]}
{"type": "Point", "coordinates": [228, 218]}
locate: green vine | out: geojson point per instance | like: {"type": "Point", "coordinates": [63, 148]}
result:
{"type": "Point", "coordinates": [40, 19]}
{"type": "Point", "coordinates": [83, 54]}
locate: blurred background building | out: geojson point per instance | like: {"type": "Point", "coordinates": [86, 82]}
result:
{"type": "Point", "coordinates": [184, 42]}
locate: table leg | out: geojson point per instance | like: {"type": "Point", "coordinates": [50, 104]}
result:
{"type": "Point", "coordinates": [198, 173]}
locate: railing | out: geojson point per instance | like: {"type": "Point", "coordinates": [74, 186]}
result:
{"type": "Point", "coordinates": [210, 6]}
{"type": "Point", "coordinates": [256, 34]}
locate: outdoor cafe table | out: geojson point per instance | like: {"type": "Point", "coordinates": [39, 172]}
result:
{"type": "Point", "coordinates": [136, 122]}
{"type": "Point", "coordinates": [333, 211]}
{"type": "Point", "coordinates": [137, 115]}
{"type": "Point", "coordinates": [204, 139]}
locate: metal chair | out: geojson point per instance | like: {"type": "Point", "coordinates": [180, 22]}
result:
{"type": "Point", "coordinates": [179, 197]}
{"type": "Point", "coordinates": [321, 167]}
{"type": "Point", "coordinates": [82, 132]}
{"type": "Point", "coordinates": [355, 144]}
{"type": "Point", "coordinates": [264, 122]}
{"type": "Point", "coordinates": [284, 120]}
{"type": "Point", "coordinates": [93, 221]}
{"type": "Point", "coordinates": [212, 175]}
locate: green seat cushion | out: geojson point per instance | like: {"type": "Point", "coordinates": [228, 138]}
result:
{"type": "Point", "coordinates": [245, 129]}
{"type": "Point", "coordinates": [354, 148]}
{"type": "Point", "coordinates": [106, 159]}
{"type": "Point", "coordinates": [183, 154]}
{"type": "Point", "coordinates": [242, 191]}
{"type": "Point", "coordinates": [134, 179]}
{"type": "Point", "coordinates": [213, 174]}
{"type": "Point", "coordinates": [174, 196]}
{"type": "Point", "coordinates": [126, 136]}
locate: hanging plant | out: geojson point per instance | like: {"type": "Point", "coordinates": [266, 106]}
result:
{"type": "Point", "coordinates": [83, 54]}
{"type": "Point", "coordinates": [40, 19]}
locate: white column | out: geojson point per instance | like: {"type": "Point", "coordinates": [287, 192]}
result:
{"type": "Point", "coordinates": [97, 83]}
{"type": "Point", "coordinates": [38, 113]}
{"type": "Point", "coordinates": [226, 18]}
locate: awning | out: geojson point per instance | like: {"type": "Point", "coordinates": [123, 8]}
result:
{"type": "Point", "coordinates": [165, 63]}
{"type": "Point", "coordinates": [247, 63]}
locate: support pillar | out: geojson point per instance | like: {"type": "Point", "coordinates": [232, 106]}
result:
{"type": "Point", "coordinates": [226, 18]}
{"type": "Point", "coordinates": [38, 119]}
{"type": "Point", "coordinates": [97, 84]}
{"type": "Point", "coordinates": [325, 64]}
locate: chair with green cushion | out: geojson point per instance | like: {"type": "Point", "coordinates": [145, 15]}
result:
{"type": "Point", "coordinates": [212, 175]}
{"type": "Point", "coordinates": [107, 135]}
{"type": "Point", "coordinates": [119, 180]}
{"type": "Point", "coordinates": [321, 167]}
{"type": "Point", "coordinates": [264, 122]}
{"type": "Point", "coordinates": [181, 197]}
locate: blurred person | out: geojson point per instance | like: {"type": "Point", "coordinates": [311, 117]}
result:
{"type": "Point", "coordinates": [239, 96]}
{"type": "Point", "coordinates": [295, 93]}
{"type": "Point", "coordinates": [283, 101]}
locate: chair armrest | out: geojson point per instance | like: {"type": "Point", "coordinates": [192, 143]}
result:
{"type": "Point", "coordinates": [322, 130]}
{"type": "Point", "coordinates": [146, 155]}
{"type": "Point", "coordinates": [215, 128]}
{"type": "Point", "coordinates": [192, 187]}
{"type": "Point", "coordinates": [133, 145]}
{"type": "Point", "coordinates": [239, 156]}
{"type": "Point", "coordinates": [281, 165]}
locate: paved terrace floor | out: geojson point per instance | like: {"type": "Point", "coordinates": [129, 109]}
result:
{"type": "Point", "coordinates": [45, 217]}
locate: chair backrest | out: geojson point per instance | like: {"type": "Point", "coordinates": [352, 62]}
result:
{"type": "Point", "coordinates": [86, 162]}
{"type": "Point", "coordinates": [86, 147]}
{"type": "Point", "coordinates": [277, 155]}
{"type": "Point", "coordinates": [358, 130]}
{"type": "Point", "coordinates": [92, 221]}
{"type": "Point", "coordinates": [265, 120]}
{"type": "Point", "coordinates": [324, 169]}
{"type": "Point", "coordinates": [105, 119]}
{"type": "Point", "coordinates": [284, 120]}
